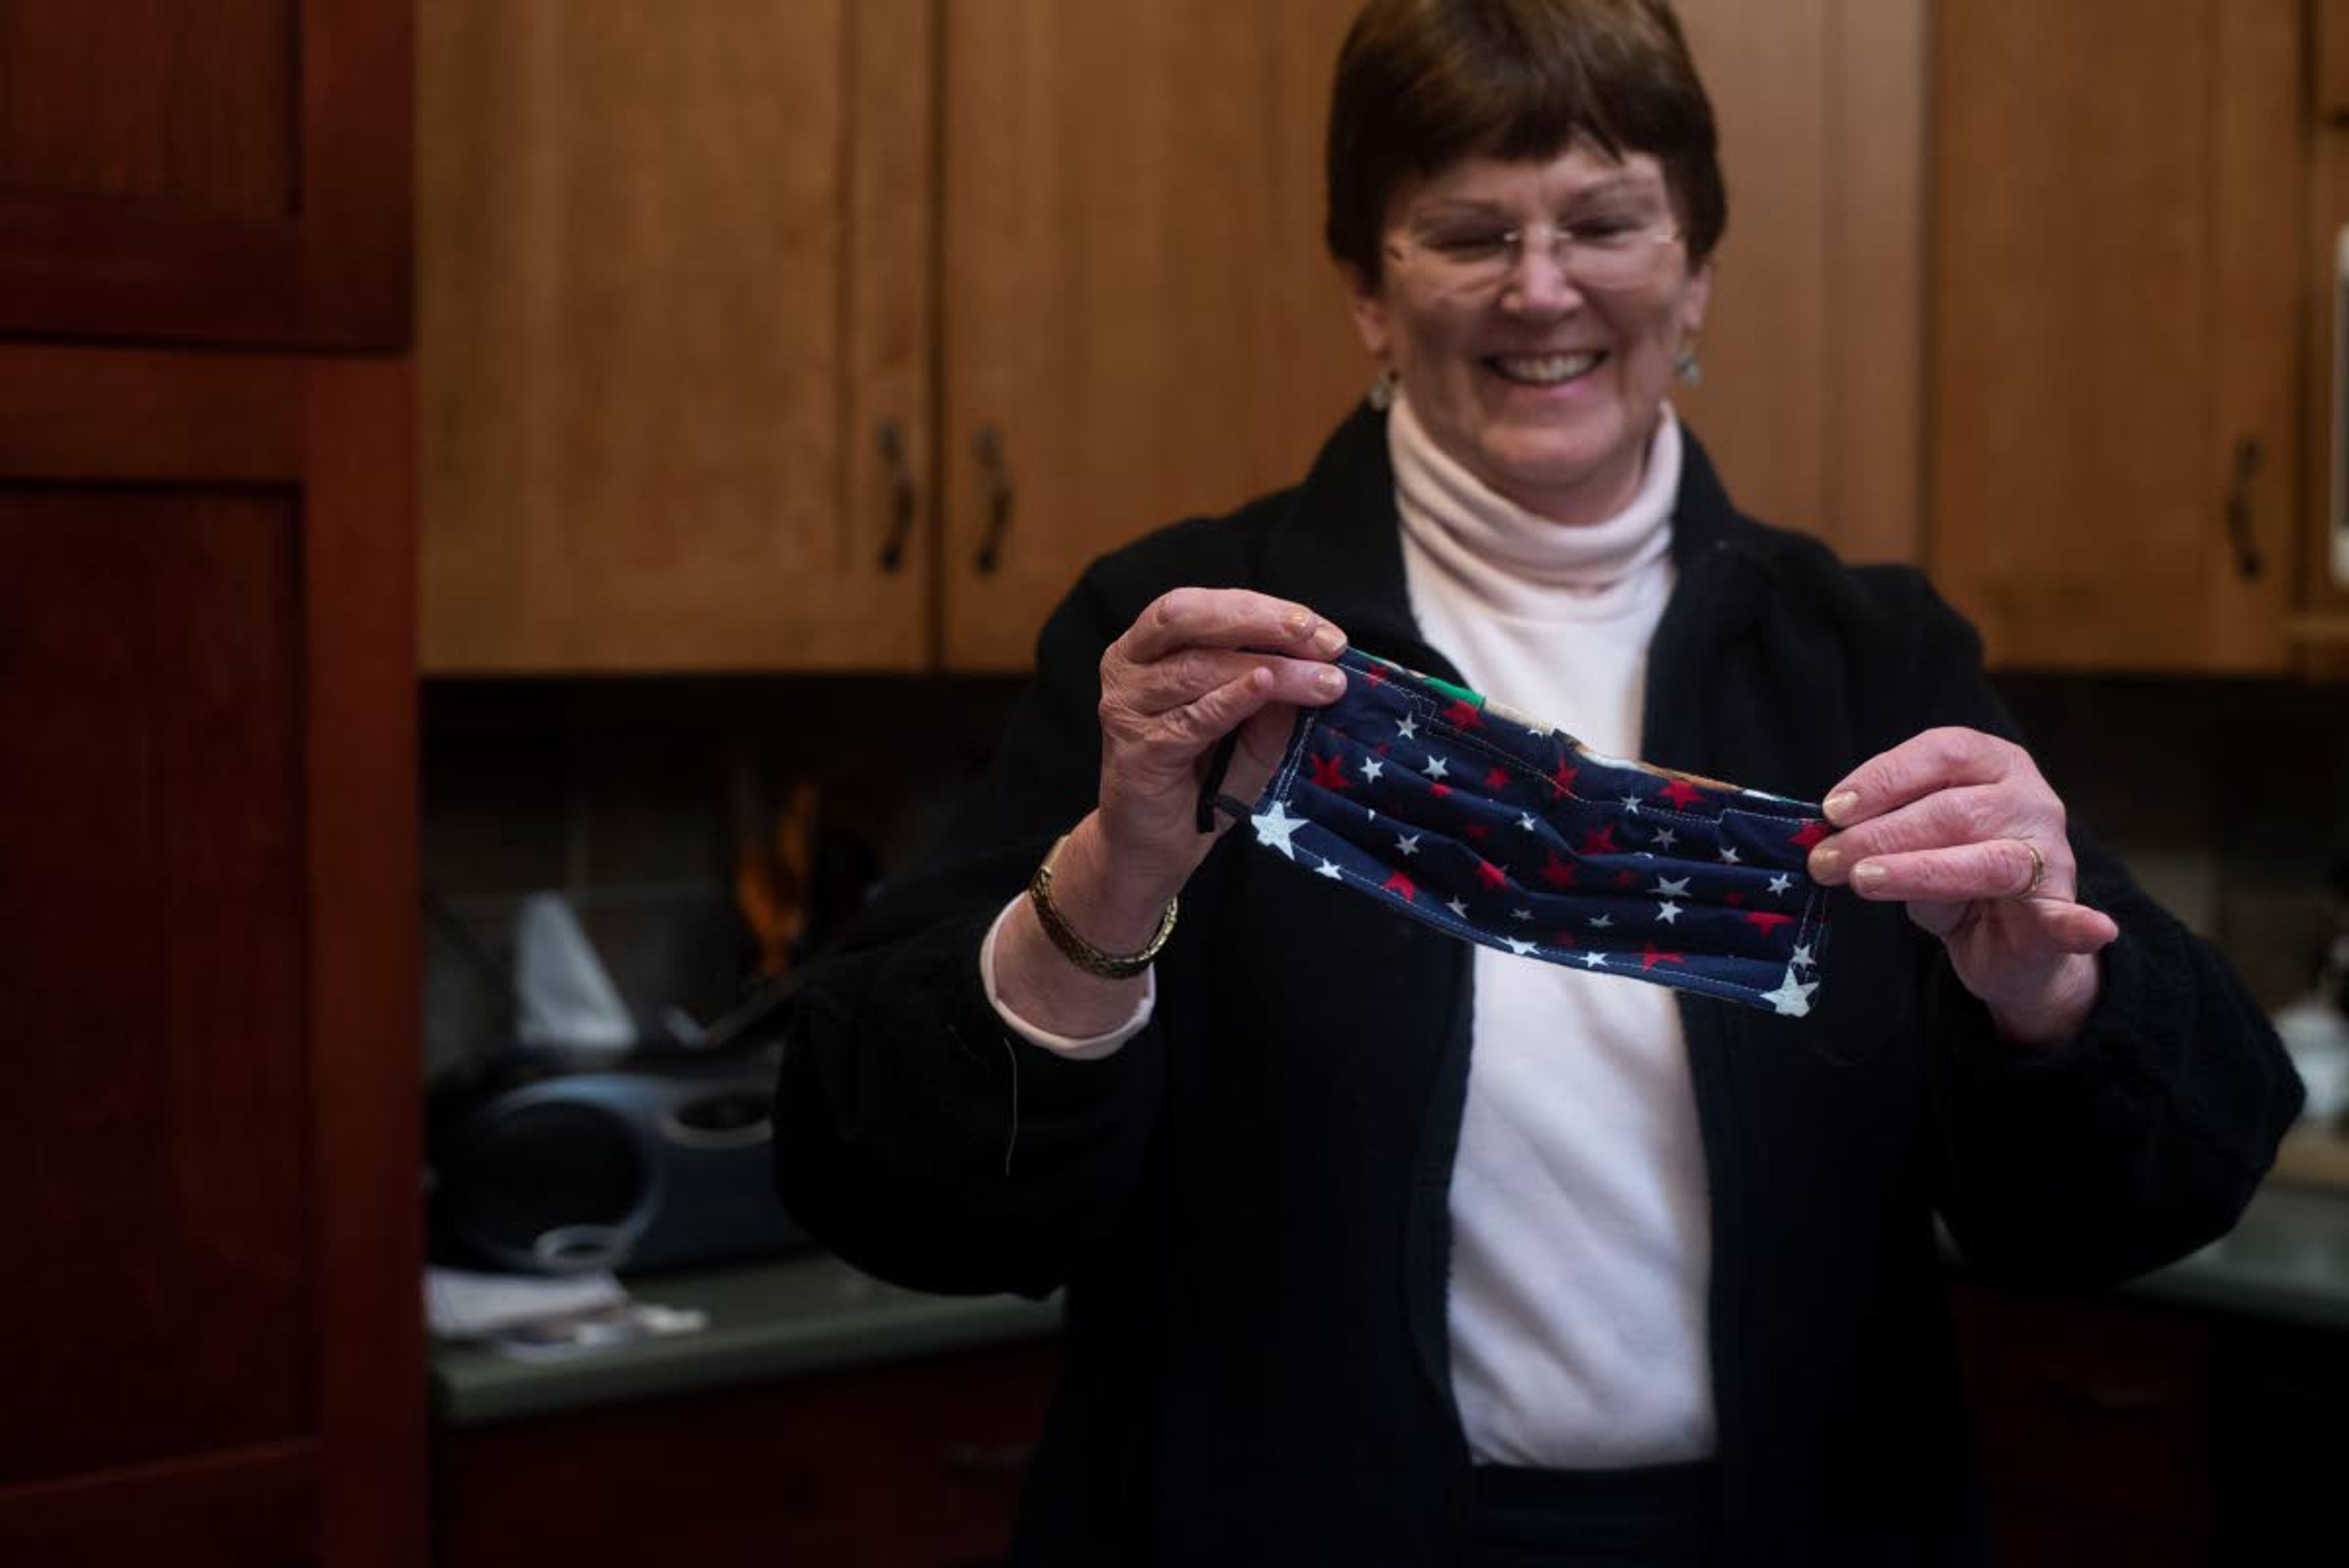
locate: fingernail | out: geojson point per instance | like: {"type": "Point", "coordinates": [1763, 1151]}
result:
{"type": "Point", "coordinates": [1838, 806]}
{"type": "Point", "coordinates": [1868, 876]}
{"type": "Point", "coordinates": [1825, 864]}
{"type": "Point", "coordinates": [1301, 623]}
{"type": "Point", "coordinates": [1330, 681]}
{"type": "Point", "coordinates": [1329, 641]}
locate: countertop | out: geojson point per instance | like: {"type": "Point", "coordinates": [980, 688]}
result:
{"type": "Point", "coordinates": [806, 1313]}
{"type": "Point", "coordinates": [2287, 1262]}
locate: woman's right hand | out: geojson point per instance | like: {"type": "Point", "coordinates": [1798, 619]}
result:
{"type": "Point", "coordinates": [1197, 665]}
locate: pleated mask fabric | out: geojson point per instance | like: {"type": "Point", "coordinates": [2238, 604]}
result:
{"type": "Point", "coordinates": [1499, 828]}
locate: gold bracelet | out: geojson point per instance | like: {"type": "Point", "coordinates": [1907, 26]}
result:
{"type": "Point", "coordinates": [1074, 948]}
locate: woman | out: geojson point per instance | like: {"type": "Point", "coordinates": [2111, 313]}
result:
{"type": "Point", "coordinates": [1383, 1248]}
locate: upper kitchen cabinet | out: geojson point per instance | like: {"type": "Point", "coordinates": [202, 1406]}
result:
{"type": "Point", "coordinates": [2120, 200]}
{"type": "Point", "coordinates": [1140, 319]}
{"type": "Point", "coordinates": [674, 334]}
{"type": "Point", "coordinates": [206, 170]}
{"type": "Point", "coordinates": [1813, 400]}
{"type": "Point", "coordinates": [690, 270]}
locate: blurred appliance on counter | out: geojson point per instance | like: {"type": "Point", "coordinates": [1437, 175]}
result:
{"type": "Point", "coordinates": [660, 1162]}
{"type": "Point", "coordinates": [2315, 1026]}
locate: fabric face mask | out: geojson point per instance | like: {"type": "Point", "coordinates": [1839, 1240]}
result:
{"type": "Point", "coordinates": [1501, 829]}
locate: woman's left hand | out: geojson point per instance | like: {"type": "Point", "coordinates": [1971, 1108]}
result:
{"type": "Point", "coordinates": [1961, 827]}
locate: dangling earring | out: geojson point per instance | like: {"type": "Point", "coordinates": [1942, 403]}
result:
{"type": "Point", "coordinates": [1382, 389]}
{"type": "Point", "coordinates": [1686, 367]}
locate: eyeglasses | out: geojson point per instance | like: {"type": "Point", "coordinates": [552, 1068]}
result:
{"type": "Point", "coordinates": [1598, 253]}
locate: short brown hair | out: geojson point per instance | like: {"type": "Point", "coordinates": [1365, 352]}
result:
{"type": "Point", "coordinates": [1423, 83]}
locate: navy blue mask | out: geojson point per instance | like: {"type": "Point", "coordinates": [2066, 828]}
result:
{"type": "Point", "coordinates": [1503, 830]}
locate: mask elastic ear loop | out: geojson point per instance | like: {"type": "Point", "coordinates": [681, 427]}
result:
{"type": "Point", "coordinates": [1211, 788]}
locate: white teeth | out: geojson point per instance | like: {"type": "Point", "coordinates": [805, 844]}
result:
{"type": "Point", "coordinates": [1544, 370]}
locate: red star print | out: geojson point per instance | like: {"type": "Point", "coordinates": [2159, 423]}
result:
{"type": "Point", "coordinates": [1556, 872]}
{"type": "Point", "coordinates": [1627, 878]}
{"type": "Point", "coordinates": [1440, 790]}
{"type": "Point", "coordinates": [1651, 956]}
{"type": "Point", "coordinates": [1768, 921]}
{"type": "Point", "coordinates": [1732, 898]}
{"type": "Point", "coordinates": [1497, 778]}
{"type": "Point", "coordinates": [1492, 875]}
{"type": "Point", "coordinates": [1601, 841]}
{"type": "Point", "coordinates": [1563, 940]}
{"type": "Point", "coordinates": [1562, 777]}
{"type": "Point", "coordinates": [1329, 772]}
{"type": "Point", "coordinates": [1399, 883]}
{"type": "Point", "coordinates": [1479, 831]}
{"type": "Point", "coordinates": [1464, 716]}
{"type": "Point", "coordinates": [1682, 794]}
{"type": "Point", "coordinates": [1810, 833]}
{"type": "Point", "coordinates": [1374, 674]}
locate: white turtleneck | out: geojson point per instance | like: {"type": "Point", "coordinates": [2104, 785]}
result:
{"type": "Point", "coordinates": [1581, 1237]}
{"type": "Point", "coordinates": [1581, 1240]}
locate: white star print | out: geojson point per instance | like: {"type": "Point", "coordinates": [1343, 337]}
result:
{"type": "Point", "coordinates": [1729, 854]}
{"type": "Point", "coordinates": [1631, 805]}
{"type": "Point", "coordinates": [1373, 768]}
{"type": "Point", "coordinates": [1519, 946]}
{"type": "Point", "coordinates": [1457, 907]}
{"type": "Point", "coordinates": [1408, 728]}
{"type": "Point", "coordinates": [1781, 882]}
{"type": "Point", "coordinates": [1671, 887]}
{"type": "Point", "coordinates": [1328, 868]}
{"type": "Point", "coordinates": [1666, 837]}
{"type": "Point", "coordinates": [1803, 958]}
{"type": "Point", "coordinates": [1601, 922]}
{"type": "Point", "coordinates": [1669, 913]}
{"type": "Point", "coordinates": [1521, 914]}
{"type": "Point", "coordinates": [1273, 827]}
{"type": "Point", "coordinates": [1407, 844]}
{"type": "Point", "coordinates": [1526, 820]}
{"type": "Point", "coordinates": [1435, 769]}
{"type": "Point", "coordinates": [1793, 997]}
{"type": "Point", "coordinates": [1595, 961]}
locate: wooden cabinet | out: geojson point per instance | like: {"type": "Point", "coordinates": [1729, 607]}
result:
{"type": "Point", "coordinates": [839, 335]}
{"type": "Point", "coordinates": [210, 1340]}
{"type": "Point", "coordinates": [207, 170]}
{"type": "Point", "coordinates": [2120, 310]}
{"type": "Point", "coordinates": [720, 303]}
{"type": "Point", "coordinates": [908, 1464]}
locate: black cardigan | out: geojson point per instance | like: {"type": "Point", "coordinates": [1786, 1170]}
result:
{"type": "Point", "coordinates": [1247, 1204]}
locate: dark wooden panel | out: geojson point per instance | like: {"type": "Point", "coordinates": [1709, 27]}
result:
{"type": "Point", "coordinates": [219, 171]}
{"type": "Point", "coordinates": [178, 102]}
{"type": "Point", "coordinates": [207, 648]}
{"type": "Point", "coordinates": [915, 1464]}
{"type": "Point", "coordinates": [253, 1509]}
{"type": "Point", "coordinates": [359, 702]}
{"type": "Point", "coordinates": [158, 1104]}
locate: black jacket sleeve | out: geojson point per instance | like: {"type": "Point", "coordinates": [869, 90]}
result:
{"type": "Point", "coordinates": [2140, 1140]}
{"type": "Point", "coordinates": [916, 1135]}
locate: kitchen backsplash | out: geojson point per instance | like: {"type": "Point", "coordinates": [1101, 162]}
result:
{"type": "Point", "coordinates": [2230, 799]}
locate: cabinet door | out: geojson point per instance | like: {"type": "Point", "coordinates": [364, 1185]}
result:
{"type": "Point", "coordinates": [1140, 319]}
{"type": "Point", "coordinates": [211, 1339]}
{"type": "Point", "coordinates": [2116, 267]}
{"type": "Point", "coordinates": [221, 171]}
{"type": "Point", "coordinates": [1813, 399]}
{"type": "Point", "coordinates": [673, 333]}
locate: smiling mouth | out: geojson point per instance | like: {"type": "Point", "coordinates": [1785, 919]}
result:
{"type": "Point", "coordinates": [1544, 370]}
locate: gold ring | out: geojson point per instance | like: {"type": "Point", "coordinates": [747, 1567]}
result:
{"type": "Point", "coordinates": [2038, 869]}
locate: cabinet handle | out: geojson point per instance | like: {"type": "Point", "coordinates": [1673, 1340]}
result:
{"type": "Point", "coordinates": [900, 470]}
{"type": "Point", "coordinates": [2238, 508]}
{"type": "Point", "coordinates": [987, 447]}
